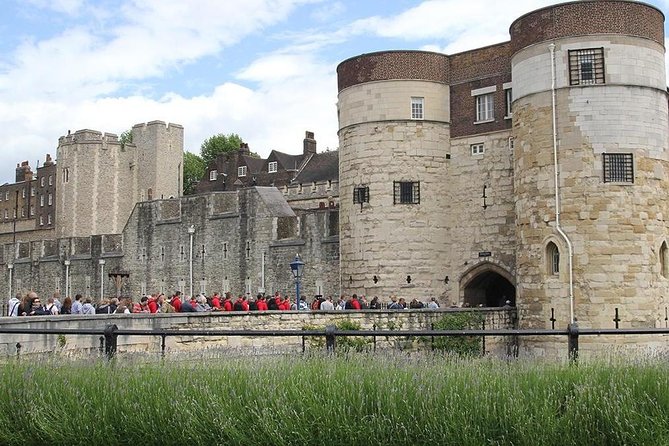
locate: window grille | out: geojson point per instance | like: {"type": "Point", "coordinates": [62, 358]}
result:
{"type": "Point", "coordinates": [406, 192]}
{"type": "Point", "coordinates": [361, 194]}
{"type": "Point", "coordinates": [618, 167]}
{"type": "Point", "coordinates": [586, 66]}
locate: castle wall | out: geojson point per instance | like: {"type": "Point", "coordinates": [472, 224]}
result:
{"type": "Point", "coordinates": [474, 229]}
{"type": "Point", "coordinates": [616, 229]}
{"type": "Point", "coordinates": [159, 159]}
{"type": "Point", "coordinates": [95, 191]}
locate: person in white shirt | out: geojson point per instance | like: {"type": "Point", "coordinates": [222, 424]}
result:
{"type": "Point", "coordinates": [13, 306]}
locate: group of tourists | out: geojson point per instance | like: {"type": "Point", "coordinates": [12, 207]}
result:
{"type": "Point", "coordinates": [32, 305]}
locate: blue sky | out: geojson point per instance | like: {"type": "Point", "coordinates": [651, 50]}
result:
{"type": "Point", "coordinates": [264, 69]}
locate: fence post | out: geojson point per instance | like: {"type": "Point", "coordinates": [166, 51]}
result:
{"type": "Point", "coordinates": [18, 349]}
{"type": "Point", "coordinates": [616, 319]}
{"type": "Point", "coordinates": [330, 339]}
{"type": "Point", "coordinates": [573, 341]}
{"type": "Point", "coordinates": [111, 340]}
{"type": "Point", "coordinates": [374, 337]}
{"type": "Point", "coordinates": [162, 345]}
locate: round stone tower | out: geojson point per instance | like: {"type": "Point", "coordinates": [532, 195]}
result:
{"type": "Point", "coordinates": [590, 115]}
{"type": "Point", "coordinates": [393, 149]}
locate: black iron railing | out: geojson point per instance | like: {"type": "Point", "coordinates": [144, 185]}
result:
{"type": "Point", "coordinates": [109, 335]}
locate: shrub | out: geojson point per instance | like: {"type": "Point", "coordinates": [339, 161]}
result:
{"type": "Point", "coordinates": [459, 345]}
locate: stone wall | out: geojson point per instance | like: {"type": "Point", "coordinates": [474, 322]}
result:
{"type": "Point", "coordinates": [275, 321]}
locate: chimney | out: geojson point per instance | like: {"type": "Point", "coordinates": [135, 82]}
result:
{"type": "Point", "coordinates": [309, 143]}
{"type": "Point", "coordinates": [49, 161]}
{"type": "Point", "coordinates": [23, 172]}
{"type": "Point", "coordinates": [244, 148]}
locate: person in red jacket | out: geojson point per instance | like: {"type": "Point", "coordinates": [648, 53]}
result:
{"type": "Point", "coordinates": [262, 303]}
{"type": "Point", "coordinates": [176, 301]}
{"type": "Point", "coordinates": [216, 302]}
{"type": "Point", "coordinates": [227, 302]}
{"type": "Point", "coordinates": [355, 303]}
{"type": "Point", "coordinates": [153, 304]}
{"type": "Point", "coordinates": [284, 305]}
{"type": "Point", "coordinates": [245, 303]}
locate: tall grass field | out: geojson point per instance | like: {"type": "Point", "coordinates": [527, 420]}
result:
{"type": "Point", "coordinates": [353, 399]}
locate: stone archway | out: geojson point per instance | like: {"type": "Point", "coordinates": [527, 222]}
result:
{"type": "Point", "coordinates": [489, 285]}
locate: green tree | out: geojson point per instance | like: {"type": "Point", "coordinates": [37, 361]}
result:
{"type": "Point", "coordinates": [125, 138]}
{"type": "Point", "coordinates": [194, 168]}
{"type": "Point", "coordinates": [217, 144]}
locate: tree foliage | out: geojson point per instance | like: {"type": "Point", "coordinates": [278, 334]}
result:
{"type": "Point", "coordinates": [125, 138]}
{"type": "Point", "coordinates": [217, 144]}
{"type": "Point", "coordinates": [194, 168]}
{"type": "Point", "coordinates": [460, 345]}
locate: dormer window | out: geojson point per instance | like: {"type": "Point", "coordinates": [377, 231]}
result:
{"type": "Point", "coordinates": [272, 167]}
{"type": "Point", "coordinates": [213, 175]}
{"type": "Point", "coordinates": [241, 171]}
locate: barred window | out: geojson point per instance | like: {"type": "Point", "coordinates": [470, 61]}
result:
{"type": "Point", "coordinates": [361, 195]}
{"type": "Point", "coordinates": [618, 167]}
{"type": "Point", "coordinates": [406, 192]}
{"type": "Point", "coordinates": [586, 66]}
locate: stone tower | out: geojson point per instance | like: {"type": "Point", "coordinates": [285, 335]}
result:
{"type": "Point", "coordinates": [590, 115]}
{"type": "Point", "coordinates": [394, 114]}
{"type": "Point", "coordinates": [100, 180]}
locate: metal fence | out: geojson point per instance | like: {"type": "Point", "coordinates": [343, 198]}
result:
{"type": "Point", "coordinates": [109, 335]}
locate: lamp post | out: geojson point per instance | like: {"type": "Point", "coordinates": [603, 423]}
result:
{"type": "Point", "coordinates": [297, 268]}
{"type": "Point", "coordinates": [10, 267]}
{"type": "Point", "coordinates": [102, 278]}
{"type": "Point", "coordinates": [67, 278]}
{"type": "Point", "coordinates": [191, 233]}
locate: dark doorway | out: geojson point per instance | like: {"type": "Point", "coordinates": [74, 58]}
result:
{"type": "Point", "coordinates": [489, 289]}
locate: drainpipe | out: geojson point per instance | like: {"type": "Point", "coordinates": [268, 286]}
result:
{"type": "Point", "coordinates": [558, 228]}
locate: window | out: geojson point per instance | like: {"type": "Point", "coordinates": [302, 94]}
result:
{"type": "Point", "coordinates": [664, 264]}
{"type": "Point", "coordinates": [314, 188]}
{"type": "Point", "coordinates": [272, 167]}
{"type": "Point", "coordinates": [477, 149]}
{"type": "Point", "coordinates": [41, 220]}
{"type": "Point", "coordinates": [417, 108]}
{"type": "Point", "coordinates": [23, 193]}
{"type": "Point", "coordinates": [406, 192]}
{"type": "Point", "coordinates": [241, 171]}
{"type": "Point", "coordinates": [361, 195]}
{"type": "Point", "coordinates": [32, 191]}
{"type": "Point", "coordinates": [7, 195]}
{"type": "Point", "coordinates": [41, 200]}
{"type": "Point", "coordinates": [553, 259]}
{"type": "Point", "coordinates": [23, 212]}
{"type": "Point", "coordinates": [41, 182]}
{"type": "Point", "coordinates": [512, 143]}
{"type": "Point", "coordinates": [50, 200]}
{"type": "Point", "coordinates": [48, 219]}
{"type": "Point", "coordinates": [586, 66]}
{"type": "Point", "coordinates": [14, 213]}
{"type": "Point", "coordinates": [618, 167]}
{"type": "Point", "coordinates": [485, 105]}
{"type": "Point", "coordinates": [225, 250]}
{"type": "Point", "coordinates": [329, 186]}
{"type": "Point", "coordinates": [213, 175]}
{"type": "Point", "coordinates": [248, 249]}
{"type": "Point", "coordinates": [508, 101]}
{"type": "Point", "coordinates": [50, 180]}
{"type": "Point", "coordinates": [182, 253]}
{"type": "Point", "coordinates": [32, 210]}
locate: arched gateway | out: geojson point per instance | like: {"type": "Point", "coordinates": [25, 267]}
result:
{"type": "Point", "coordinates": [489, 285]}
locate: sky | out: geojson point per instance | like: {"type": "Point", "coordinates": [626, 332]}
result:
{"type": "Point", "coordinates": [264, 69]}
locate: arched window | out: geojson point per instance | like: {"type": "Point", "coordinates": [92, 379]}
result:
{"type": "Point", "coordinates": [552, 259]}
{"type": "Point", "coordinates": [664, 261]}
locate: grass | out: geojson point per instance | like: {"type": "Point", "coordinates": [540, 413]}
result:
{"type": "Point", "coordinates": [353, 399]}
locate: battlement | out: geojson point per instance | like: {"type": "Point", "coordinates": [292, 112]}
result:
{"type": "Point", "coordinates": [87, 136]}
{"type": "Point", "coordinates": [157, 125]}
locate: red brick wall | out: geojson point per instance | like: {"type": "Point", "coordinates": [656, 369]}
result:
{"type": "Point", "coordinates": [588, 17]}
{"type": "Point", "coordinates": [388, 65]}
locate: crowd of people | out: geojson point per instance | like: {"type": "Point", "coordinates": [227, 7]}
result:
{"type": "Point", "coordinates": [32, 305]}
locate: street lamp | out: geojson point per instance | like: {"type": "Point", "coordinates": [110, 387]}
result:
{"type": "Point", "coordinates": [102, 278]}
{"type": "Point", "coordinates": [67, 278]}
{"type": "Point", "coordinates": [191, 233]}
{"type": "Point", "coordinates": [10, 267]}
{"type": "Point", "coordinates": [297, 267]}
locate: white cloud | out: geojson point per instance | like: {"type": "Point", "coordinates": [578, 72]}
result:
{"type": "Point", "coordinates": [69, 7]}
